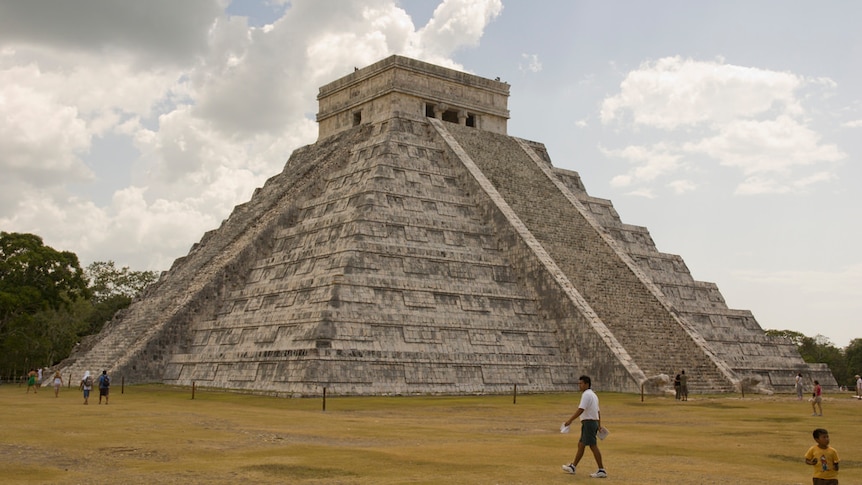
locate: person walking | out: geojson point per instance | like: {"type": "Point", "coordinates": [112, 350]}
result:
{"type": "Point", "coordinates": [591, 422]}
{"type": "Point", "coordinates": [86, 386]}
{"type": "Point", "coordinates": [104, 386]}
{"type": "Point", "coordinates": [817, 399]}
{"type": "Point", "coordinates": [683, 386]}
{"type": "Point", "coordinates": [799, 386]}
{"type": "Point", "coordinates": [58, 382]}
{"type": "Point", "coordinates": [858, 386]}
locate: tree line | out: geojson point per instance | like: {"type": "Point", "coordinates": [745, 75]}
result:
{"type": "Point", "coordinates": [844, 363]}
{"type": "Point", "coordinates": [48, 302]}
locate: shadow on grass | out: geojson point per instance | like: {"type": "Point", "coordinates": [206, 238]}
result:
{"type": "Point", "coordinates": [717, 405]}
{"type": "Point", "coordinates": [297, 471]}
{"type": "Point", "coordinates": [776, 419]}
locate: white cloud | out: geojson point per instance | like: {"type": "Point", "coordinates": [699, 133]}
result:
{"type": "Point", "coordinates": [846, 282]}
{"type": "Point", "coordinates": [682, 186]}
{"type": "Point", "coordinates": [761, 186]}
{"type": "Point", "coordinates": [853, 124]}
{"type": "Point", "coordinates": [533, 64]}
{"type": "Point", "coordinates": [749, 119]}
{"type": "Point", "coordinates": [642, 192]}
{"type": "Point", "coordinates": [650, 162]}
{"type": "Point", "coordinates": [154, 31]}
{"type": "Point", "coordinates": [674, 92]}
{"type": "Point", "coordinates": [456, 24]}
{"type": "Point", "coordinates": [41, 139]}
{"type": "Point", "coordinates": [755, 147]}
{"type": "Point", "coordinates": [214, 107]}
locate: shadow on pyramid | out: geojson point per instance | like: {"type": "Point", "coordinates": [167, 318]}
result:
{"type": "Point", "coordinates": [417, 248]}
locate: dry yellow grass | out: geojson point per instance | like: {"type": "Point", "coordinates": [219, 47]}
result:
{"type": "Point", "coordinates": [157, 434]}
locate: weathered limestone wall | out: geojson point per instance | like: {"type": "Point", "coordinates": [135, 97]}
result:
{"type": "Point", "coordinates": [402, 86]}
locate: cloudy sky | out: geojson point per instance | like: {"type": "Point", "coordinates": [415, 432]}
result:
{"type": "Point", "coordinates": [732, 130]}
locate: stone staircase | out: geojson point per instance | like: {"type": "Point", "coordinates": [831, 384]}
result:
{"type": "Point", "coordinates": [139, 341]}
{"type": "Point", "coordinates": [734, 335]}
{"type": "Point", "coordinates": [641, 322]}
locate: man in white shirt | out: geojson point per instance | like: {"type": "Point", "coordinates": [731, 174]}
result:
{"type": "Point", "coordinates": [858, 386]}
{"type": "Point", "coordinates": [591, 422]}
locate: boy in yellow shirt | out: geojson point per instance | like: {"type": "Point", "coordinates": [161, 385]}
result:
{"type": "Point", "coordinates": [824, 458]}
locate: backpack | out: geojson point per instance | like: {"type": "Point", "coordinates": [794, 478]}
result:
{"type": "Point", "coordinates": [104, 381]}
{"type": "Point", "coordinates": [88, 381]}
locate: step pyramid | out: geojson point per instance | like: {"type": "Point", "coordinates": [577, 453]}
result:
{"type": "Point", "coordinates": [417, 248]}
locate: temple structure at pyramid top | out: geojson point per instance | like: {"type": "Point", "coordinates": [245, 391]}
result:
{"type": "Point", "coordinates": [403, 87]}
{"type": "Point", "coordinates": [418, 248]}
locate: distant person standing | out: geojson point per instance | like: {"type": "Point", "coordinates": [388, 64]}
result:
{"type": "Point", "coordinates": [591, 422]}
{"type": "Point", "coordinates": [87, 386]}
{"type": "Point", "coordinates": [858, 386]}
{"type": "Point", "coordinates": [817, 399]}
{"type": "Point", "coordinates": [104, 386]}
{"type": "Point", "coordinates": [799, 386]}
{"type": "Point", "coordinates": [31, 382]}
{"type": "Point", "coordinates": [824, 459]}
{"type": "Point", "coordinates": [58, 382]}
{"type": "Point", "coordinates": [677, 382]}
{"type": "Point", "coordinates": [683, 386]}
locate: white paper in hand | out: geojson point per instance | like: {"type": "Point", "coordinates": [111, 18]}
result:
{"type": "Point", "coordinates": [603, 433]}
{"type": "Point", "coordinates": [564, 428]}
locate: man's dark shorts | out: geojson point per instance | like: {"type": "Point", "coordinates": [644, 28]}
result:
{"type": "Point", "coordinates": [589, 428]}
{"type": "Point", "coordinates": [103, 391]}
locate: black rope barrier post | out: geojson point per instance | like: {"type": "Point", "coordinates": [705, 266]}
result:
{"type": "Point", "coordinates": [70, 380]}
{"type": "Point", "coordinates": [515, 395]}
{"type": "Point", "coordinates": [642, 392]}
{"type": "Point", "coordinates": [324, 399]}
{"type": "Point", "coordinates": [193, 390]}
{"type": "Point", "coordinates": [122, 384]}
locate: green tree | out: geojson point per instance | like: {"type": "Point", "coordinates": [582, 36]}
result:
{"type": "Point", "coordinates": [853, 354]}
{"type": "Point", "coordinates": [795, 337]}
{"type": "Point", "coordinates": [818, 349]}
{"type": "Point", "coordinates": [821, 349]}
{"type": "Point", "coordinates": [106, 281]}
{"type": "Point", "coordinates": [113, 289]}
{"type": "Point", "coordinates": [35, 280]}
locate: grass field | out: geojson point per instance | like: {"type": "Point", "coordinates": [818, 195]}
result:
{"type": "Point", "coordinates": [158, 434]}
